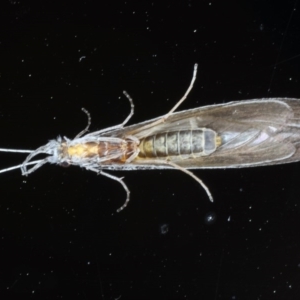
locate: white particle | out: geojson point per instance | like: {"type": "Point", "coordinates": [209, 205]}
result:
{"type": "Point", "coordinates": [81, 58]}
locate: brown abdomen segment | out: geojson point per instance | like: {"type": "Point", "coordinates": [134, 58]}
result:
{"type": "Point", "coordinates": [197, 142]}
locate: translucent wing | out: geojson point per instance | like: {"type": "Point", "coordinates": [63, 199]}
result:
{"type": "Point", "coordinates": [253, 132]}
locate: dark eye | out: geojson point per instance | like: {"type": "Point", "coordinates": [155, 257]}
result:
{"type": "Point", "coordinates": [64, 164]}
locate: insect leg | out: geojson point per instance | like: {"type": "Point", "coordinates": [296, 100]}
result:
{"type": "Point", "coordinates": [193, 176]}
{"type": "Point", "coordinates": [120, 180]}
{"type": "Point", "coordinates": [131, 108]}
{"type": "Point", "coordinates": [165, 117]}
{"type": "Point", "coordinates": [132, 157]}
{"type": "Point", "coordinates": [119, 126]}
{"type": "Point", "coordinates": [88, 124]}
{"type": "Point", "coordinates": [135, 152]}
{"type": "Point", "coordinates": [185, 95]}
{"type": "Point", "coordinates": [38, 164]}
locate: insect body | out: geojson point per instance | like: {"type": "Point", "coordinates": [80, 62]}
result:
{"type": "Point", "coordinates": [237, 134]}
{"type": "Point", "coordinates": [184, 143]}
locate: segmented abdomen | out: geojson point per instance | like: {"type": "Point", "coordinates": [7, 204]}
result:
{"type": "Point", "coordinates": [197, 142]}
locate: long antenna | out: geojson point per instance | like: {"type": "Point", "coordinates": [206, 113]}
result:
{"type": "Point", "coordinates": [15, 150]}
{"type": "Point", "coordinates": [19, 166]}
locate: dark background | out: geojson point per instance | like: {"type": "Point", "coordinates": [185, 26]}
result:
{"type": "Point", "coordinates": [60, 235]}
